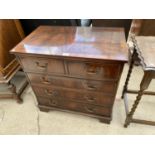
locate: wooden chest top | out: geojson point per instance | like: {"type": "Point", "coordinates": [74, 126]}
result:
{"type": "Point", "coordinates": [76, 42]}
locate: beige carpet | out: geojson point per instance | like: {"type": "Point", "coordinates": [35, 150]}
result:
{"type": "Point", "coordinates": [26, 119]}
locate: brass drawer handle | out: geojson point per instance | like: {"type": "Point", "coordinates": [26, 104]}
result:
{"type": "Point", "coordinates": [45, 81]}
{"type": "Point", "coordinates": [90, 99]}
{"type": "Point", "coordinates": [89, 86]}
{"type": "Point", "coordinates": [89, 109]}
{"type": "Point", "coordinates": [53, 102]}
{"type": "Point", "coordinates": [44, 66]}
{"type": "Point", "coordinates": [91, 70]}
{"type": "Point", "coordinates": [52, 93]}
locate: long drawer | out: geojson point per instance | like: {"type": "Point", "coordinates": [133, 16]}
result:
{"type": "Point", "coordinates": [75, 106]}
{"type": "Point", "coordinates": [108, 87]}
{"type": "Point", "coordinates": [72, 94]}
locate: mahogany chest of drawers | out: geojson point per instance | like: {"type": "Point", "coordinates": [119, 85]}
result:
{"type": "Point", "coordinates": [74, 68]}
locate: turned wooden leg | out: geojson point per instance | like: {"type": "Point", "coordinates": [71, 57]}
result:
{"type": "Point", "coordinates": [16, 96]}
{"type": "Point", "coordinates": [129, 73]}
{"type": "Point", "coordinates": [144, 85]}
{"type": "Point", "coordinates": [130, 115]}
{"type": "Point", "coordinates": [19, 99]}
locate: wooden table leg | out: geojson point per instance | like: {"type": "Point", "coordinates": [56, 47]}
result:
{"type": "Point", "coordinates": [144, 85]}
{"type": "Point", "coordinates": [129, 73]}
{"type": "Point", "coordinates": [15, 95]}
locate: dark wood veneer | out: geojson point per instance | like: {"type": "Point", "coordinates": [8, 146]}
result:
{"type": "Point", "coordinates": [74, 68]}
{"type": "Point", "coordinates": [97, 98]}
{"type": "Point", "coordinates": [69, 82]}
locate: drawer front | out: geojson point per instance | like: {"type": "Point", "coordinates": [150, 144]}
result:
{"type": "Point", "coordinates": [75, 106]}
{"type": "Point", "coordinates": [42, 65]}
{"type": "Point", "coordinates": [94, 71]}
{"type": "Point", "coordinates": [86, 97]}
{"type": "Point", "coordinates": [108, 87]}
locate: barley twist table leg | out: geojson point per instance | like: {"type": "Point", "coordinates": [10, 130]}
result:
{"type": "Point", "coordinates": [129, 74]}
{"type": "Point", "coordinates": [144, 85]}
{"type": "Point", "coordinates": [130, 115]}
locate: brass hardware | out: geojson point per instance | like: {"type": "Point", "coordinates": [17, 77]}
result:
{"type": "Point", "coordinates": [89, 86]}
{"type": "Point", "coordinates": [45, 81]}
{"type": "Point", "coordinates": [91, 70]}
{"type": "Point", "coordinates": [52, 93]}
{"type": "Point", "coordinates": [89, 109]}
{"type": "Point", "coordinates": [41, 66]}
{"type": "Point", "coordinates": [90, 99]}
{"type": "Point", "coordinates": [53, 102]}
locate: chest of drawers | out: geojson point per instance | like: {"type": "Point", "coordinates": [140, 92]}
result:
{"type": "Point", "coordinates": [74, 69]}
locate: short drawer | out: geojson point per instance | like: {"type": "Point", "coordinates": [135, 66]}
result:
{"type": "Point", "coordinates": [42, 65]}
{"type": "Point", "coordinates": [75, 106]}
{"type": "Point", "coordinates": [72, 94]}
{"type": "Point", "coordinates": [108, 87]}
{"type": "Point", "coordinates": [94, 70]}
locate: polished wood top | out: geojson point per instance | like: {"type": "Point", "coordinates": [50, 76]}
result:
{"type": "Point", "coordinates": [145, 46]}
{"type": "Point", "coordinates": [81, 42]}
